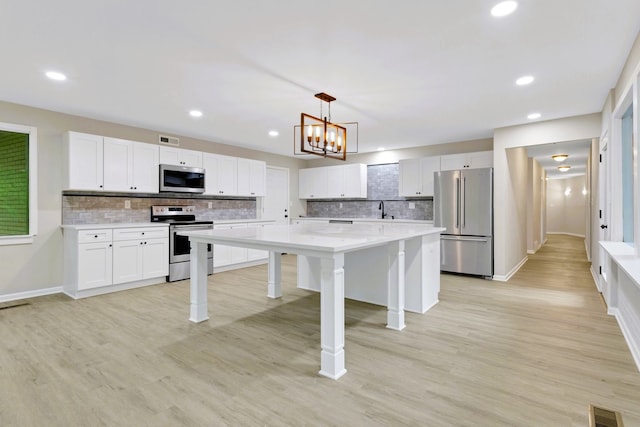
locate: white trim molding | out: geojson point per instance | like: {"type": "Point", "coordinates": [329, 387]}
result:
{"type": "Point", "coordinates": [30, 294]}
{"type": "Point", "coordinates": [513, 271]}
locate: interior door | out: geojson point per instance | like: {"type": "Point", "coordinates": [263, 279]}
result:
{"type": "Point", "coordinates": [276, 199]}
{"type": "Point", "coordinates": [604, 233]}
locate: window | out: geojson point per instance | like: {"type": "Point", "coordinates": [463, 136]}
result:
{"type": "Point", "coordinates": [627, 175]}
{"type": "Point", "coordinates": [18, 191]}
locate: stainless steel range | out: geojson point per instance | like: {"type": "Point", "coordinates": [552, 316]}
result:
{"type": "Point", "coordinates": [181, 218]}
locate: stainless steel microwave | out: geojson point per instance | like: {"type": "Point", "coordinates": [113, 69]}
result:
{"type": "Point", "coordinates": [181, 179]}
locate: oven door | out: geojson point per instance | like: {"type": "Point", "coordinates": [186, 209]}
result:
{"type": "Point", "coordinates": [179, 247]}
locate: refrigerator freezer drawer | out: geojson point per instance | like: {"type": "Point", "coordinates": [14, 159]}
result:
{"type": "Point", "coordinates": [466, 254]}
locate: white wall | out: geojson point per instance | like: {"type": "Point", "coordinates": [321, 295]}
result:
{"type": "Point", "coordinates": [510, 181]}
{"type": "Point", "coordinates": [567, 206]}
{"type": "Point", "coordinates": [37, 267]}
{"type": "Point", "coordinates": [536, 206]}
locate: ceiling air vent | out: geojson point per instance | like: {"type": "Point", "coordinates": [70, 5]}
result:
{"type": "Point", "coordinates": [169, 140]}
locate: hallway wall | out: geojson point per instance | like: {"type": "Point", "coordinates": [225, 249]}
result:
{"type": "Point", "coordinates": [566, 206]}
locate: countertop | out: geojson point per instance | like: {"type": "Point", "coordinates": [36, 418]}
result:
{"type": "Point", "coordinates": [114, 225]}
{"type": "Point", "coordinates": [315, 237]}
{"type": "Point", "coordinates": [395, 220]}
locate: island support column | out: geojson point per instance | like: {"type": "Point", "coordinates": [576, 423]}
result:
{"type": "Point", "coordinates": [198, 282]}
{"type": "Point", "coordinates": [395, 286]}
{"type": "Point", "coordinates": [332, 317]}
{"type": "Point", "coordinates": [274, 287]}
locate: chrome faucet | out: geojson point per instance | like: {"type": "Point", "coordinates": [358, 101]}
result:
{"type": "Point", "coordinates": [381, 208]}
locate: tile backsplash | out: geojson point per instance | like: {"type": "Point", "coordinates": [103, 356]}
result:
{"type": "Point", "coordinates": [382, 185]}
{"type": "Point", "coordinates": [90, 209]}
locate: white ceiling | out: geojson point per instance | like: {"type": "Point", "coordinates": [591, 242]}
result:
{"type": "Point", "coordinates": [411, 72]}
{"type": "Point", "coordinates": [578, 152]}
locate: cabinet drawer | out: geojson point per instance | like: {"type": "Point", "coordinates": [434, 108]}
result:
{"type": "Point", "coordinates": [140, 233]}
{"type": "Point", "coordinates": [92, 236]}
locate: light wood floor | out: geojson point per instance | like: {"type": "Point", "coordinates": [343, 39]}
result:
{"type": "Point", "coordinates": [534, 351]}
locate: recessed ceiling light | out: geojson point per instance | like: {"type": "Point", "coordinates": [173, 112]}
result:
{"type": "Point", "coordinates": [504, 8]}
{"type": "Point", "coordinates": [564, 168]}
{"type": "Point", "coordinates": [274, 133]}
{"type": "Point", "coordinates": [534, 116]}
{"type": "Point", "coordinates": [559, 157]}
{"type": "Point", "coordinates": [54, 75]}
{"type": "Point", "coordinates": [524, 80]}
{"type": "Point", "coordinates": [195, 113]}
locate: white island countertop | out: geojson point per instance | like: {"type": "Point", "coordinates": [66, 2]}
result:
{"type": "Point", "coordinates": [313, 237]}
{"type": "Point", "coordinates": [335, 255]}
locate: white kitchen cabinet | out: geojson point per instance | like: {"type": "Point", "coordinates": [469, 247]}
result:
{"type": "Point", "coordinates": [333, 182]}
{"type": "Point", "coordinates": [83, 161]}
{"type": "Point", "coordinates": [221, 175]}
{"type": "Point", "coordinates": [226, 255]}
{"type": "Point", "coordinates": [95, 259]}
{"type": "Point", "coordinates": [88, 260]}
{"type": "Point", "coordinates": [111, 258]}
{"type": "Point", "coordinates": [140, 253]}
{"type": "Point", "coordinates": [130, 166]}
{"type": "Point", "coordinates": [476, 160]}
{"type": "Point", "coordinates": [252, 177]}
{"type": "Point", "coordinates": [416, 176]}
{"type": "Point", "coordinates": [257, 254]}
{"type": "Point", "coordinates": [180, 157]}
{"type": "Point", "coordinates": [229, 257]}
{"type": "Point", "coordinates": [347, 181]}
{"type": "Point", "coordinates": [312, 183]}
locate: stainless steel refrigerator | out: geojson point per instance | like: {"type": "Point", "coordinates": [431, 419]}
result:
{"type": "Point", "coordinates": [463, 203]}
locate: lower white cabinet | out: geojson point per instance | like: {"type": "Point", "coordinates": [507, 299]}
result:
{"type": "Point", "coordinates": [94, 263]}
{"type": "Point", "coordinates": [102, 260]}
{"type": "Point", "coordinates": [140, 253]}
{"type": "Point", "coordinates": [230, 257]}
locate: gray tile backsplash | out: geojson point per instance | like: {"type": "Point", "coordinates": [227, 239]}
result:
{"type": "Point", "coordinates": [109, 209]}
{"type": "Point", "coordinates": [382, 185]}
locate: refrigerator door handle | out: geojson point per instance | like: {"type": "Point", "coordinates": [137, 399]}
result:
{"type": "Point", "coordinates": [465, 239]}
{"type": "Point", "coordinates": [462, 204]}
{"type": "Point", "coordinates": [457, 203]}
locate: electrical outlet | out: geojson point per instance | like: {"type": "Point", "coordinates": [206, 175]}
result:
{"type": "Point", "coordinates": [412, 205]}
{"type": "Point", "coordinates": [210, 205]}
{"type": "Point", "coordinates": [127, 204]}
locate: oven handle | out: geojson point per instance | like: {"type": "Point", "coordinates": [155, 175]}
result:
{"type": "Point", "coordinates": [192, 227]}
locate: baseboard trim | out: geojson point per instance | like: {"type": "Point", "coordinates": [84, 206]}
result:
{"type": "Point", "coordinates": [594, 275]}
{"type": "Point", "coordinates": [30, 294]}
{"type": "Point", "coordinates": [566, 234]}
{"type": "Point", "coordinates": [632, 341]}
{"type": "Point", "coordinates": [513, 271]}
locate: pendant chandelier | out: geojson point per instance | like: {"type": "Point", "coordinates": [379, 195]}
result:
{"type": "Point", "coordinates": [321, 137]}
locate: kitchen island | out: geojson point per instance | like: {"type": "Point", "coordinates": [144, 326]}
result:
{"type": "Point", "coordinates": [410, 255]}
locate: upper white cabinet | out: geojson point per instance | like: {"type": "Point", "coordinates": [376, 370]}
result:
{"type": "Point", "coordinates": [98, 163]}
{"type": "Point", "coordinates": [221, 175]}
{"type": "Point", "coordinates": [480, 159]}
{"type": "Point", "coordinates": [83, 157]}
{"type": "Point", "coordinates": [312, 183]}
{"type": "Point", "coordinates": [130, 166]}
{"type": "Point", "coordinates": [416, 176]}
{"type": "Point", "coordinates": [347, 181]}
{"type": "Point", "coordinates": [252, 176]}
{"type": "Point", "coordinates": [333, 182]}
{"type": "Point", "coordinates": [180, 157]}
